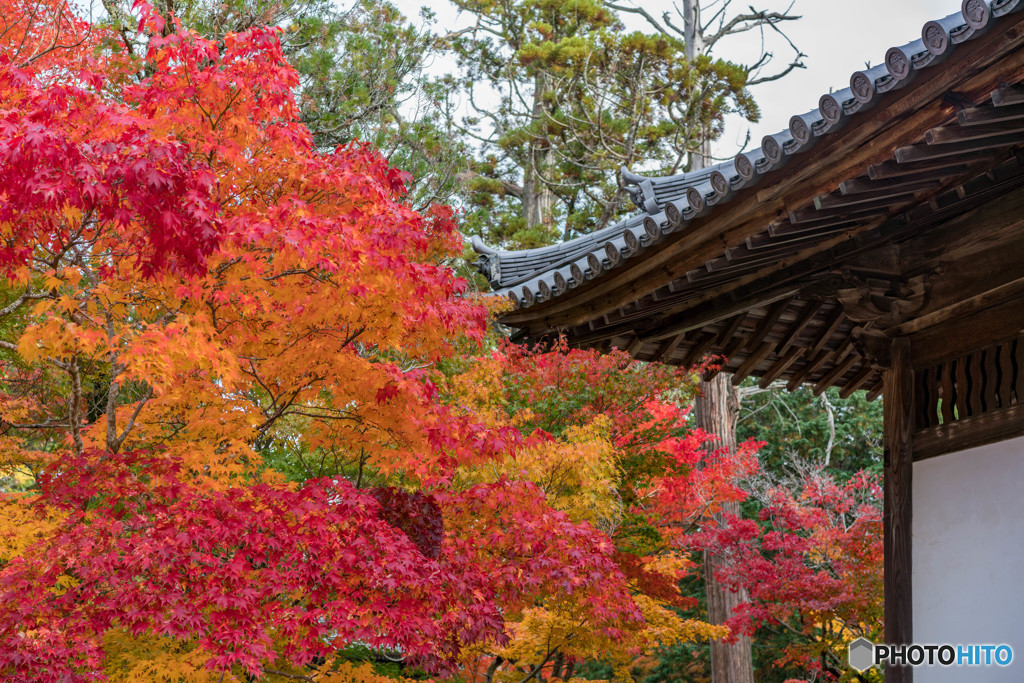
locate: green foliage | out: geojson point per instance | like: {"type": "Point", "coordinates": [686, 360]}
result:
{"type": "Point", "coordinates": [385, 663]}
{"type": "Point", "coordinates": [579, 98]}
{"type": "Point", "coordinates": [796, 424]}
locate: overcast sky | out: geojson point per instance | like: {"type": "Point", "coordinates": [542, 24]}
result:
{"type": "Point", "coordinates": [838, 37]}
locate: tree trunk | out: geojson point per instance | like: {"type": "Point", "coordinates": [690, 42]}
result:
{"type": "Point", "coordinates": [692, 34]}
{"type": "Point", "coordinates": [715, 411]}
{"type": "Point", "coordinates": [538, 199]}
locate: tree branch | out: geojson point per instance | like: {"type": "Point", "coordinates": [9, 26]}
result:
{"type": "Point", "coordinates": [75, 405]}
{"type": "Point", "coordinates": [25, 296]}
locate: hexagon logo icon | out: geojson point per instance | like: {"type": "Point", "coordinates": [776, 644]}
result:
{"type": "Point", "coordinates": [862, 654]}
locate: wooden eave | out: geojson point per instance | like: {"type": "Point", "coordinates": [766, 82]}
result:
{"type": "Point", "coordinates": [906, 221]}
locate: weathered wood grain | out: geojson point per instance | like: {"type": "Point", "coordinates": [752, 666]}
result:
{"type": "Point", "coordinates": [898, 415]}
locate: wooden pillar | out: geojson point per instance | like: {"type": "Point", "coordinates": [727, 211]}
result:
{"type": "Point", "coordinates": [898, 411]}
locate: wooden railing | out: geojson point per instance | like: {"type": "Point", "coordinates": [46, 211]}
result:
{"type": "Point", "coordinates": [969, 400]}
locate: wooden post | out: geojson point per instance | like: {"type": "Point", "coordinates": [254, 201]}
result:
{"type": "Point", "coordinates": [898, 411]}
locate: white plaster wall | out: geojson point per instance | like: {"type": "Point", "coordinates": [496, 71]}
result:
{"type": "Point", "coordinates": [968, 546]}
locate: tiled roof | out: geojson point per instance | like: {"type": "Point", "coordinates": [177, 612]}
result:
{"type": "Point", "coordinates": [667, 204]}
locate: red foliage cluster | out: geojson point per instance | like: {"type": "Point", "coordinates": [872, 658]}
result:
{"type": "Point", "coordinates": [813, 562]}
{"type": "Point", "coordinates": [63, 148]}
{"type": "Point", "coordinates": [415, 514]}
{"type": "Point", "coordinates": [246, 569]}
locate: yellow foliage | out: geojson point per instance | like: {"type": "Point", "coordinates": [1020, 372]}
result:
{"type": "Point", "coordinates": [154, 659]}
{"type": "Point", "coordinates": [352, 672]}
{"type": "Point", "coordinates": [560, 624]}
{"type": "Point", "coordinates": [578, 473]}
{"type": "Point", "coordinates": [22, 524]}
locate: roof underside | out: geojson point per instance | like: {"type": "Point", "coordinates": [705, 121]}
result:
{"type": "Point", "coordinates": [786, 262]}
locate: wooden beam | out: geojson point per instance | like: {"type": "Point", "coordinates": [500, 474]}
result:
{"type": "Point", "coordinates": [875, 390]}
{"type": "Point", "coordinates": [699, 349]}
{"type": "Point", "coordinates": [955, 166]}
{"type": "Point", "coordinates": [730, 349]}
{"type": "Point", "coordinates": [898, 421]}
{"type": "Point", "coordinates": [809, 313]}
{"type": "Point", "coordinates": [737, 261]}
{"type": "Point", "coordinates": [751, 363]}
{"type": "Point", "coordinates": [856, 194]}
{"type": "Point", "coordinates": [810, 366]}
{"type": "Point", "coordinates": [766, 240]}
{"type": "Point", "coordinates": [980, 115]}
{"type": "Point", "coordinates": [824, 226]}
{"type": "Point", "coordinates": [634, 346]}
{"type": "Point", "coordinates": [873, 207]}
{"type": "Point", "coordinates": [780, 366]}
{"type": "Point", "coordinates": [715, 310]}
{"type": "Point", "coordinates": [845, 347]}
{"type": "Point", "coordinates": [771, 317]}
{"type": "Point", "coordinates": [744, 251]}
{"type": "Point", "coordinates": [979, 329]}
{"type": "Point", "coordinates": [854, 202]}
{"type": "Point", "coordinates": [969, 432]}
{"type": "Point", "coordinates": [669, 347]}
{"type": "Point", "coordinates": [947, 134]}
{"type": "Point", "coordinates": [857, 381]}
{"type": "Point", "coordinates": [835, 373]}
{"type": "Point", "coordinates": [729, 331]}
{"type": "Point", "coordinates": [992, 297]}
{"type": "Point", "coordinates": [921, 152]}
{"type": "Point", "coordinates": [828, 329]}
{"type": "Point", "coordinates": [1013, 94]}
{"type": "Point", "coordinates": [862, 185]}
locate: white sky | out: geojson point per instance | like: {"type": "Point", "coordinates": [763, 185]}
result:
{"type": "Point", "coordinates": [838, 37]}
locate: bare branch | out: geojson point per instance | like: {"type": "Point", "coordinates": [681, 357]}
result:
{"type": "Point", "coordinates": [777, 76]}
{"type": "Point", "coordinates": [831, 427]}
{"type": "Point", "coordinates": [642, 12]}
{"type": "Point", "coordinates": [119, 441]}
{"type": "Point", "coordinates": [742, 23]}
{"type": "Point", "coordinates": [294, 677]}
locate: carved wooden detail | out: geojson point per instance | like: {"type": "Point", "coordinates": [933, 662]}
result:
{"type": "Point", "coordinates": [881, 301]}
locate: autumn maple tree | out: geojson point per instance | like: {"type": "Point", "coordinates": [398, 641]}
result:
{"type": "Point", "coordinates": [247, 399]}
{"type": "Point", "coordinates": [618, 453]}
{"type": "Point", "coordinates": [188, 281]}
{"type": "Point", "coordinates": [811, 563]}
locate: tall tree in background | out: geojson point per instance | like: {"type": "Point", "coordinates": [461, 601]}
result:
{"type": "Point", "coordinates": [577, 98]}
{"type": "Point", "coordinates": [715, 411]}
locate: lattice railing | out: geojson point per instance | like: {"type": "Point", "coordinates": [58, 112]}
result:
{"type": "Point", "coordinates": [976, 383]}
